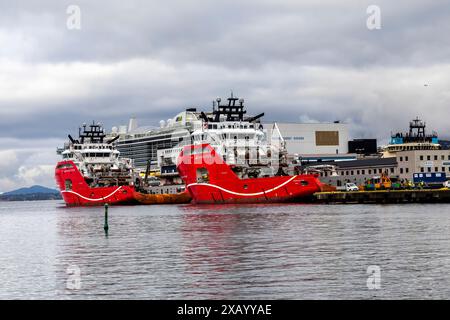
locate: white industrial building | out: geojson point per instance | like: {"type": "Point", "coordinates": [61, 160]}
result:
{"type": "Point", "coordinates": [315, 139]}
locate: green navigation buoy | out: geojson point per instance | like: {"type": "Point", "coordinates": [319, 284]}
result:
{"type": "Point", "coordinates": [106, 226]}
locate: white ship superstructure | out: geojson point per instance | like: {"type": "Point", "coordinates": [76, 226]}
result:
{"type": "Point", "coordinates": [240, 140]}
{"type": "Point", "coordinates": [96, 159]}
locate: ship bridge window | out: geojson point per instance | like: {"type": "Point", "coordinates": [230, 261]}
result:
{"type": "Point", "coordinates": [98, 155]}
{"type": "Point", "coordinates": [194, 151]}
{"type": "Point", "coordinates": [64, 166]}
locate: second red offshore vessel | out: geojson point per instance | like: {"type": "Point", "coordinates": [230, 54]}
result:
{"type": "Point", "coordinates": [231, 161]}
{"type": "Point", "coordinates": [210, 180]}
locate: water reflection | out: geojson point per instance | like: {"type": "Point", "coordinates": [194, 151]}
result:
{"type": "Point", "coordinates": [240, 252]}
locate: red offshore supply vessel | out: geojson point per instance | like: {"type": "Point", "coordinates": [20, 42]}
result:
{"type": "Point", "coordinates": [92, 173]}
{"type": "Point", "coordinates": [211, 180]}
{"type": "Point", "coordinates": [232, 161]}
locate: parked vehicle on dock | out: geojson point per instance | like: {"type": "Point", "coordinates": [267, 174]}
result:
{"type": "Point", "coordinates": [350, 186]}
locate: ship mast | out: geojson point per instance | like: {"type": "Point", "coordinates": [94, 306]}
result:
{"type": "Point", "coordinates": [94, 133]}
{"type": "Point", "coordinates": [233, 111]}
{"type": "Point", "coordinates": [418, 126]}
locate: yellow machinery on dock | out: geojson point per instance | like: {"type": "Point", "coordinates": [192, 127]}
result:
{"type": "Point", "coordinates": [382, 182]}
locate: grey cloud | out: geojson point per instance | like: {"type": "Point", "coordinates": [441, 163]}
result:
{"type": "Point", "coordinates": [237, 33]}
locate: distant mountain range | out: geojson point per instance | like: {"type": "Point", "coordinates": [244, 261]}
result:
{"type": "Point", "coordinates": [31, 193]}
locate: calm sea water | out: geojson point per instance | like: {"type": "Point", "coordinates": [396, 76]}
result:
{"type": "Point", "coordinates": [226, 252]}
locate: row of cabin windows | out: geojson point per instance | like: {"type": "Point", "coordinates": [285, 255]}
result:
{"type": "Point", "coordinates": [228, 136]}
{"type": "Point", "coordinates": [360, 172]}
{"type": "Point", "coordinates": [436, 169]}
{"type": "Point", "coordinates": [390, 170]}
{"type": "Point", "coordinates": [78, 147]}
{"type": "Point", "coordinates": [435, 158]}
{"type": "Point", "coordinates": [409, 148]}
{"type": "Point", "coordinates": [242, 126]}
{"type": "Point", "coordinates": [97, 155]}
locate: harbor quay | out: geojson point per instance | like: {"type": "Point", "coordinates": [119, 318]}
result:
{"type": "Point", "coordinates": [384, 196]}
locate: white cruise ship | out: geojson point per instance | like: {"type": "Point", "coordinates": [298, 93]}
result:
{"type": "Point", "coordinates": [239, 138]}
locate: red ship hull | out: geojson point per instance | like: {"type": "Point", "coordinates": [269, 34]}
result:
{"type": "Point", "coordinates": [224, 186]}
{"type": "Point", "coordinates": [76, 192]}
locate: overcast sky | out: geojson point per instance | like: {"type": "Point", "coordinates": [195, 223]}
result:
{"type": "Point", "coordinates": [296, 60]}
